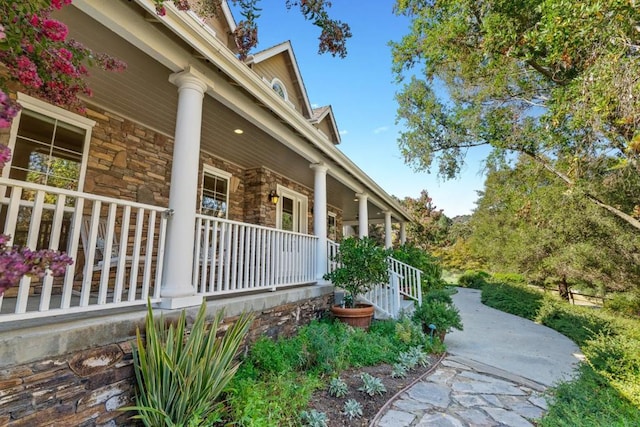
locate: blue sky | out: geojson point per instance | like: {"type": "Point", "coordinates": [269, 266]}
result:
{"type": "Point", "coordinates": [360, 89]}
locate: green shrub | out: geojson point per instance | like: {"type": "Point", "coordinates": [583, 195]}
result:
{"type": "Point", "coordinates": [589, 401]}
{"type": "Point", "coordinates": [519, 300]}
{"type": "Point", "coordinates": [430, 266]}
{"type": "Point", "coordinates": [627, 304]}
{"type": "Point", "coordinates": [445, 317]}
{"type": "Point", "coordinates": [274, 400]}
{"type": "Point", "coordinates": [180, 376]}
{"type": "Point", "coordinates": [270, 356]}
{"type": "Point", "coordinates": [510, 278]}
{"type": "Point", "coordinates": [323, 346]}
{"type": "Point", "coordinates": [473, 279]}
{"type": "Point", "coordinates": [578, 323]}
{"type": "Point", "coordinates": [439, 294]}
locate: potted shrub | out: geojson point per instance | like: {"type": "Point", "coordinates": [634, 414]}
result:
{"type": "Point", "coordinates": [443, 316]}
{"type": "Point", "coordinates": [362, 264]}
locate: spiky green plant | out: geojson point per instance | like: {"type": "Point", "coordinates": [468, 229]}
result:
{"type": "Point", "coordinates": [179, 377]}
{"type": "Point", "coordinates": [352, 408]}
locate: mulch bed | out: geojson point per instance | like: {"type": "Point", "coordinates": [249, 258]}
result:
{"type": "Point", "coordinates": [332, 406]}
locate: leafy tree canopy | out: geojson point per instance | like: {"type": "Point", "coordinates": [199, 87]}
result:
{"type": "Point", "coordinates": [554, 79]}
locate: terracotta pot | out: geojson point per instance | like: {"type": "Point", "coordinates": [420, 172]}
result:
{"type": "Point", "coordinates": [358, 317]}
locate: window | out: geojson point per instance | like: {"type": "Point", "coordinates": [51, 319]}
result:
{"type": "Point", "coordinates": [332, 231]}
{"type": "Point", "coordinates": [292, 210]}
{"type": "Point", "coordinates": [49, 145]}
{"type": "Point", "coordinates": [215, 192]}
{"type": "Point", "coordinates": [278, 86]}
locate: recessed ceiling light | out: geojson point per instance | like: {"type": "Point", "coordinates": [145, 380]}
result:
{"type": "Point", "coordinates": [238, 131]}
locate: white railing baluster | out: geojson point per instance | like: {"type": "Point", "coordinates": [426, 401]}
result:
{"type": "Point", "coordinates": [45, 216]}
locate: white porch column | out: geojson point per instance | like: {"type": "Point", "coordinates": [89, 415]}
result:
{"type": "Point", "coordinates": [403, 233]}
{"type": "Point", "coordinates": [387, 230]}
{"type": "Point", "coordinates": [363, 215]}
{"type": "Point", "coordinates": [320, 216]}
{"type": "Point", "coordinates": [177, 288]}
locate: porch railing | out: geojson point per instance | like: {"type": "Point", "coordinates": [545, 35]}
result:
{"type": "Point", "coordinates": [233, 257]}
{"type": "Point", "coordinates": [116, 246]}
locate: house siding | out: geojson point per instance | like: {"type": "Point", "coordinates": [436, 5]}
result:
{"type": "Point", "coordinates": [276, 67]}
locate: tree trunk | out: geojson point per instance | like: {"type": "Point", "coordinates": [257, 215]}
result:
{"type": "Point", "coordinates": [563, 289]}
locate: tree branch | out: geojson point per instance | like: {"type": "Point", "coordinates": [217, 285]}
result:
{"type": "Point", "coordinates": [617, 212]}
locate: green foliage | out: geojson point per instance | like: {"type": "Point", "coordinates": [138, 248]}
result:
{"type": "Point", "coordinates": [398, 370]}
{"type": "Point", "coordinates": [473, 279]}
{"type": "Point", "coordinates": [362, 264]}
{"type": "Point", "coordinates": [273, 400]}
{"type": "Point", "coordinates": [409, 333]}
{"type": "Point", "coordinates": [519, 300]}
{"type": "Point", "coordinates": [445, 317]}
{"type": "Point", "coordinates": [578, 323]}
{"type": "Point", "coordinates": [259, 395]}
{"type": "Point", "coordinates": [510, 278]}
{"type": "Point", "coordinates": [442, 295]}
{"type": "Point", "coordinates": [589, 401]}
{"type": "Point", "coordinates": [337, 387]}
{"type": "Point", "coordinates": [313, 418]}
{"type": "Point", "coordinates": [627, 304]}
{"type": "Point", "coordinates": [352, 408]}
{"type": "Point", "coordinates": [371, 385]}
{"type": "Point", "coordinates": [273, 357]}
{"type": "Point", "coordinates": [549, 79]}
{"type": "Point", "coordinates": [180, 376]}
{"type": "Point", "coordinates": [430, 266]}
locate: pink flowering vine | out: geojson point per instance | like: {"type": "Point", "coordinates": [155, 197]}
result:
{"type": "Point", "coordinates": [17, 262]}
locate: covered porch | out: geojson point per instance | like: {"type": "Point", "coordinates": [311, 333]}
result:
{"type": "Point", "coordinates": [173, 164]}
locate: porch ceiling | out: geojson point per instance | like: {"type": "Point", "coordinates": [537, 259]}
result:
{"type": "Point", "coordinates": [145, 82]}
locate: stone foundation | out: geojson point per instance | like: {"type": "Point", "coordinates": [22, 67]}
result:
{"type": "Point", "coordinates": [86, 387]}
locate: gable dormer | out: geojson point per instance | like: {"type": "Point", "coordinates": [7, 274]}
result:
{"type": "Point", "coordinates": [278, 68]}
{"type": "Point", "coordinates": [323, 119]}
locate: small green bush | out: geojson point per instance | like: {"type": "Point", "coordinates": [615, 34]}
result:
{"type": "Point", "coordinates": [473, 279]}
{"type": "Point", "coordinates": [439, 294]}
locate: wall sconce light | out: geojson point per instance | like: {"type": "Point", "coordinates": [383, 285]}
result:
{"type": "Point", "coordinates": [273, 197]}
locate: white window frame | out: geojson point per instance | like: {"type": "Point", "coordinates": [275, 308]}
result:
{"type": "Point", "coordinates": [29, 103]}
{"type": "Point", "coordinates": [335, 221]}
{"type": "Point", "coordinates": [211, 170]}
{"type": "Point", "coordinates": [300, 209]}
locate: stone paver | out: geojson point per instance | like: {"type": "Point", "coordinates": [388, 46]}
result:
{"type": "Point", "coordinates": [465, 397]}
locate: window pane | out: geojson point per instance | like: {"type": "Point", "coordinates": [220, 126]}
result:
{"type": "Point", "coordinates": [47, 151]}
{"type": "Point", "coordinates": [214, 196]}
{"type": "Point", "coordinates": [287, 214]}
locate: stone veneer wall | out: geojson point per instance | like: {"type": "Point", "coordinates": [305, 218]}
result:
{"type": "Point", "coordinates": [128, 161]}
{"type": "Point", "coordinates": [258, 183]}
{"type": "Point", "coordinates": [86, 388]}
